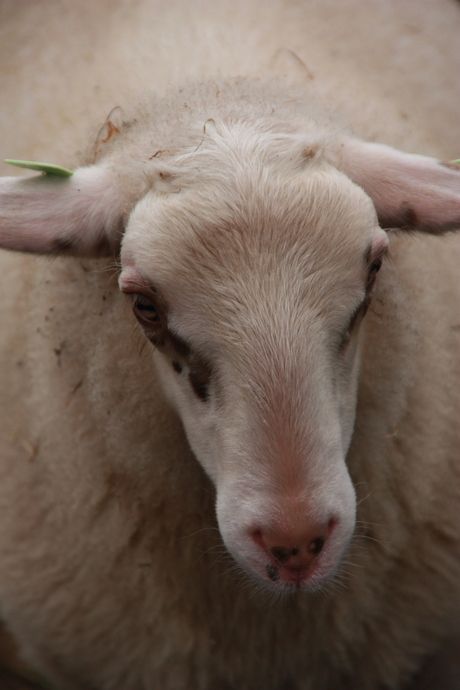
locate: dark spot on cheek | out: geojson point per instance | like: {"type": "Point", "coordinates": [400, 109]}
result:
{"type": "Point", "coordinates": [272, 572]}
{"type": "Point", "coordinates": [180, 346]}
{"type": "Point", "coordinates": [199, 381]}
{"type": "Point", "coordinates": [177, 366]}
{"type": "Point", "coordinates": [199, 375]}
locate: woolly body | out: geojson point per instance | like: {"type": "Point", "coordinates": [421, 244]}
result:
{"type": "Point", "coordinates": [113, 574]}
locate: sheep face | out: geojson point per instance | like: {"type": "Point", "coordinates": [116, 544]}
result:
{"type": "Point", "coordinates": [250, 255]}
{"type": "Point", "coordinates": [253, 297]}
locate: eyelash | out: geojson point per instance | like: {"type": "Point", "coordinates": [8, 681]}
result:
{"type": "Point", "coordinates": [145, 310]}
{"type": "Point", "coordinates": [360, 311]}
{"type": "Point", "coordinates": [374, 268]}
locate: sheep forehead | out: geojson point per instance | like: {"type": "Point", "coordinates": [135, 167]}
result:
{"type": "Point", "coordinates": [253, 278]}
{"type": "Point", "coordinates": [243, 145]}
{"type": "Point", "coordinates": [262, 234]}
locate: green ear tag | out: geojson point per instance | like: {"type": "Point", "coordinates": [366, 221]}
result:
{"type": "Point", "coordinates": [48, 168]}
{"type": "Point", "coordinates": [456, 161]}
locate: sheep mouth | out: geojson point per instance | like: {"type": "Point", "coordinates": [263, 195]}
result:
{"type": "Point", "coordinates": [289, 577]}
{"type": "Point", "coordinates": [314, 578]}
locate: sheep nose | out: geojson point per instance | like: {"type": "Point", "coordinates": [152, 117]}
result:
{"type": "Point", "coordinates": [292, 553]}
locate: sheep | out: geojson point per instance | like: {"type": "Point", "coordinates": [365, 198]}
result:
{"type": "Point", "coordinates": [240, 469]}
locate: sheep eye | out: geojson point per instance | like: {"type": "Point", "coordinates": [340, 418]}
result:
{"type": "Point", "coordinates": [145, 309]}
{"type": "Point", "coordinates": [376, 265]}
{"type": "Point", "coordinates": [374, 268]}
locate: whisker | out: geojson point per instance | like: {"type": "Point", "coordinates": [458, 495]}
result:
{"type": "Point", "coordinates": [199, 531]}
{"type": "Point", "coordinates": [358, 503]}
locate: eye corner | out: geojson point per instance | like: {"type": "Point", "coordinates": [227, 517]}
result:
{"type": "Point", "coordinates": [355, 320]}
{"type": "Point", "coordinates": [374, 262]}
{"type": "Point", "coordinates": [374, 255]}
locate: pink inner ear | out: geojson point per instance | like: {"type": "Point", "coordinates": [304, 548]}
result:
{"type": "Point", "coordinates": [409, 192]}
{"type": "Point", "coordinates": [79, 215]}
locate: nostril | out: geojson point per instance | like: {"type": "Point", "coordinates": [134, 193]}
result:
{"type": "Point", "coordinates": [331, 525]}
{"type": "Point", "coordinates": [290, 548]}
{"type": "Point", "coordinates": [316, 545]}
{"type": "Point", "coordinates": [257, 537]}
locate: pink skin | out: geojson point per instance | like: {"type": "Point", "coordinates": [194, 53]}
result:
{"type": "Point", "coordinates": [292, 557]}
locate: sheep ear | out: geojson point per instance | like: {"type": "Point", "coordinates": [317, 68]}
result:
{"type": "Point", "coordinates": [79, 215]}
{"type": "Point", "coordinates": [409, 191]}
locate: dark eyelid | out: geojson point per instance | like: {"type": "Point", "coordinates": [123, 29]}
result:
{"type": "Point", "coordinates": [369, 258]}
{"type": "Point", "coordinates": [149, 292]}
{"type": "Point", "coordinates": [135, 289]}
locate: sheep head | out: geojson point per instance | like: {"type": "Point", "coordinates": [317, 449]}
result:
{"type": "Point", "coordinates": [250, 263]}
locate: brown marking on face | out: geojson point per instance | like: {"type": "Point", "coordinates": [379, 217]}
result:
{"type": "Point", "coordinates": [177, 366]}
{"type": "Point", "coordinates": [180, 347]}
{"type": "Point", "coordinates": [199, 371]}
{"type": "Point", "coordinates": [199, 377]}
{"type": "Point", "coordinates": [160, 336]}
